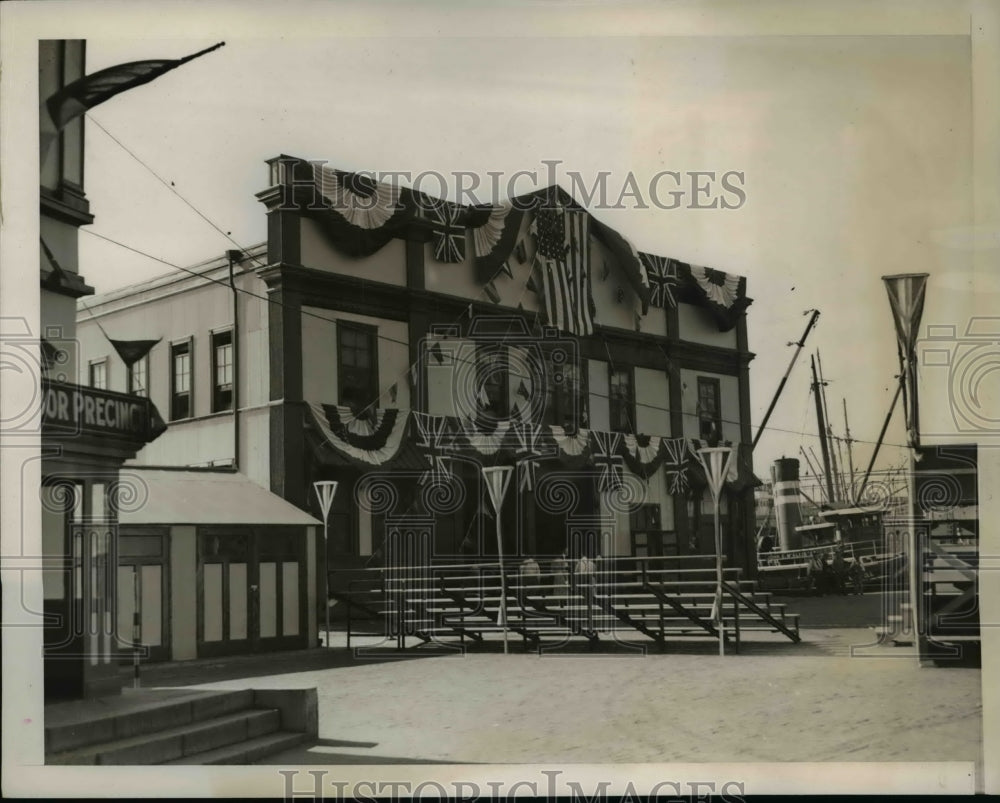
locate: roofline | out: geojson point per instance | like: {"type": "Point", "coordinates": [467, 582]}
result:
{"type": "Point", "coordinates": [164, 280]}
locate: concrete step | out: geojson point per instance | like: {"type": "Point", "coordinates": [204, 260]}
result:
{"type": "Point", "coordinates": [75, 726]}
{"type": "Point", "coordinates": [176, 742]}
{"type": "Point", "coordinates": [246, 752]}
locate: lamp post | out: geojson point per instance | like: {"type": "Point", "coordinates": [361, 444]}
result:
{"type": "Point", "coordinates": [497, 479]}
{"type": "Point", "coordinates": [325, 491]}
{"type": "Point", "coordinates": [716, 470]}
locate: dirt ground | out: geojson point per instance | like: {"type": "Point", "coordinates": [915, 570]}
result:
{"type": "Point", "coordinates": [776, 701]}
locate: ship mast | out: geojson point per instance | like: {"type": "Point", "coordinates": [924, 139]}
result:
{"type": "Point", "coordinates": [821, 421]}
{"type": "Point", "coordinates": [850, 451]}
{"type": "Point", "coordinates": [828, 432]}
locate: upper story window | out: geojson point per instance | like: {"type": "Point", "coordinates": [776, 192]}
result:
{"type": "Point", "coordinates": [138, 377]}
{"type": "Point", "coordinates": [98, 374]}
{"type": "Point", "coordinates": [181, 381]}
{"type": "Point", "coordinates": [222, 371]}
{"type": "Point", "coordinates": [357, 365]}
{"type": "Point", "coordinates": [709, 410]}
{"type": "Point", "coordinates": [564, 394]}
{"type": "Point", "coordinates": [621, 399]}
{"type": "Point", "coordinates": [492, 380]}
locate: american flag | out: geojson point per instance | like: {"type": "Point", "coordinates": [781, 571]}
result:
{"type": "Point", "coordinates": [563, 257]}
{"type": "Point", "coordinates": [448, 233]}
{"type": "Point", "coordinates": [663, 278]}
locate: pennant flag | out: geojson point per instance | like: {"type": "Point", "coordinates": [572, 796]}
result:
{"type": "Point", "coordinates": [519, 252]}
{"type": "Point", "coordinates": [491, 292]}
{"type": "Point", "coordinates": [522, 390]}
{"type": "Point", "coordinates": [131, 351]}
{"type": "Point", "coordinates": [505, 268]}
{"type": "Point", "coordinates": [627, 258]}
{"type": "Point", "coordinates": [437, 353]}
{"type": "Point", "coordinates": [393, 392]}
{"type": "Point", "coordinates": [606, 272]}
{"type": "Point", "coordinates": [447, 232]}
{"type": "Point", "coordinates": [530, 283]}
{"type": "Point", "coordinates": [563, 257]}
{"type": "Point", "coordinates": [663, 279]}
{"type": "Point", "coordinates": [638, 322]}
{"type": "Point", "coordinates": [84, 94]}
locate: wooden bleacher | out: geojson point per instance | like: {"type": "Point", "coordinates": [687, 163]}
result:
{"type": "Point", "coordinates": [631, 601]}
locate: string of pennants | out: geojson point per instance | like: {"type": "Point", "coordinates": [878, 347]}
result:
{"type": "Point", "coordinates": [360, 215]}
{"type": "Point", "coordinates": [381, 439]}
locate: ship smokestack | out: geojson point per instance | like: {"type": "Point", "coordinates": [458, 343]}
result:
{"type": "Point", "coordinates": [785, 483]}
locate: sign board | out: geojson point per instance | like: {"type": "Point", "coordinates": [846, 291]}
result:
{"type": "Point", "coordinates": [75, 409]}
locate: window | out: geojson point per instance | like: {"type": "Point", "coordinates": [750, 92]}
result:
{"type": "Point", "coordinates": [621, 400]}
{"type": "Point", "coordinates": [648, 537]}
{"type": "Point", "coordinates": [709, 410]}
{"type": "Point", "coordinates": [357, 368]}
{"type": "Point", "coordinates": [99, 374]}
{"type": "Point", "coordinates": [492, 380]}
{"type": "Point", "coordinates": [222, 371]}
{"type": "Point", "coordinates": [564, 394]}
{"type": "Point", "coordinates": [180, 381]}
{"type": "Point", "coordinates": [138, 377]}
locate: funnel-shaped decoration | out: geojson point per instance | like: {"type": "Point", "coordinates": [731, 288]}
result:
{"type": "Point", "coordinates": [497, 478]}
{"type": "Point", "coordinates": [716, 462]}
{"type": "Point", "coordinates": [325, 490]}
{"type": "Point", "coordinates": [906, 297]}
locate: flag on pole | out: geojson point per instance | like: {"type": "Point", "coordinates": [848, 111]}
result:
{"type": "Point", "coordinates": [563, 256]}
{"type": "Point", "coordinates": [85, 93]}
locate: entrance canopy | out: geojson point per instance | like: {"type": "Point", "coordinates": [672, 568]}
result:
{"type": "Point", "coordinates": [203, 497]}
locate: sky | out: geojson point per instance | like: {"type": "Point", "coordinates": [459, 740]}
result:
{"type": "Point", "coordinates": [856, 151]}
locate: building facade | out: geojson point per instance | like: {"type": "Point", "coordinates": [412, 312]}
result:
{"type": "Point", "coordinates": [397, 344]}
{"type": "Point", "coordinates": [87, 430]}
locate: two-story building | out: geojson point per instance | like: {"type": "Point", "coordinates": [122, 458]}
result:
{"type": "Point", "coordinates": [397, 344]}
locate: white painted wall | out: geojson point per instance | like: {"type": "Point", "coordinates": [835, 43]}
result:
{"type": "Point", "coordinates": [388, 264]}
{"type": "Point", "coordinates": [652, 401]}
{"type": "Point", "coordinates": [597, 376]}
{"type": "Point", "coordinates": [697, 326]}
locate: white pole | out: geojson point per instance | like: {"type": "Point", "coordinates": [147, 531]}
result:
{"type": "Point", "coordinates": [503, 585]}
{"type": "Point", "coordinates": [325, 491]}
{"type": "Point", "coordinates": [326, 578]}
{"type": "Point", "coordinates": [718, 577]}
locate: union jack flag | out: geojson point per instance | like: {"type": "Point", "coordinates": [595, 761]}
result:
{"type": "Point", "coordinates": [675, 464]}
{"type": "Point", "coordinates": [607, 458]}
{"type": "Point", "coordinates": [663, 278]}
{"type": "Point", "coordinates": [448, 234]}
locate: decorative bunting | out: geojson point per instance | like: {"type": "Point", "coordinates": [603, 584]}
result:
{"type": "Point", "coordinates": [627, 259]}
{"type": "Point", "coordinates": [722, 294]}
{"type": "Point", "coordinates": [369, 443]}
{"type": "Point", "coordinates": [494, 241]}
{"type": "Point", "coordinates": [505, 268]}
{"type": "Point", "coordinates": [643, 454]}
{"type": "Point", "coordinates": [131, 351]}
{"type": "Point", "coordinates": [491, 291]}
{"type": "Point", "coordinates": [522, 390]}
